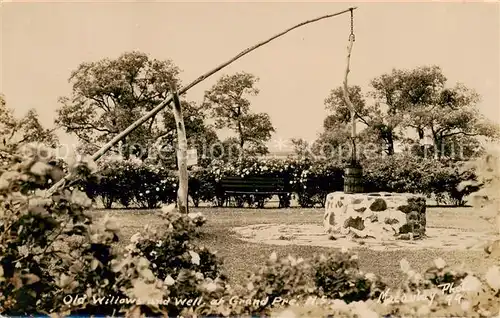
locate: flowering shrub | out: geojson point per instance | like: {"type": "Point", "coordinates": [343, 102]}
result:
{"type": "Point", "coordinates": [458, 292]}
{"type": "Point", "coordinates": [114, 182]}
{"type": "Point", "coordinates": [440, 292]}
{"type": "Point", "coordinates": [406, 173]}
{"type": "Point", "coordinates": [338, 277]}
{"type": "Point", "coordinates": [133, 182]}
{"type": "Point", "coordinates": [286, 278]}
{"type": "Point", "coordinates": [248, 167]}
{"type": "Point", "coordinates": [5, 159]}
{"type": "Point", "coordinates": [50, 248]}
{"type": "Point", "coordinates": [315, 180]}
{"type": "Point", "coordinates": [153, 186]}
{"type": "Point", "coordinates": [188, 269]}
{"type": "Point", "coordinates": [282, 281]}
{"type": "Point", "coordinates": [148, 185]}
{"type": "Point", "coordinates": [310, 180]}
{"type": "Point", "coordinates": [202, 186]}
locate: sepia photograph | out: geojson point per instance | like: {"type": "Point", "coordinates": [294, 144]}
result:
{"type": "Point", "coordinates": [276, 159]}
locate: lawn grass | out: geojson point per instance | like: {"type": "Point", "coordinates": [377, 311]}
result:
{"type": "Point", "coordinates": [240, 257]}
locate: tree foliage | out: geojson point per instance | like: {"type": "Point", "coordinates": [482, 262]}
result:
{"type": "Point", "coordinates": [227, 102]}
{"type": "Point", "coordinates": [27, 129]}
{"type": "Point", "coordinates": [110, 94]}
{"type": "Point", "coordinates": [414, 101]}
{"type": "Point", "coordinates": [301, 147]}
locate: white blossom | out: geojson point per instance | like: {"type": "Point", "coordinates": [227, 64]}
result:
{"type": "Point", "coordinates": [135, 238]}
{"type": "Point", "coordinates": [211, 287]}
{"type": "Point", "coordinates": [370, 276]}
{"type": "Point", "coordinates": [439, 263]}
{"type": "Point", "coordinates": [169, 281]}
{"type": "Point", "coordinates": [404, 265]}
{"type": "Point", "coordinates": [40, 168]}
{"type": "Point", "coordinates": [273, 257]}
{"type": "Point", "coordinates": [471, 284]}
{"type": "Point", "coordinates": [195, 258]}
{"type": "Point", "coordinates": [493, 277]}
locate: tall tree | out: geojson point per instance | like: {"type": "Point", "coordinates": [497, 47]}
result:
{"type": "Point", "coordinates": [7, 121]}
{"type": "Point", "coordinates": [337, 125]}
{"type": "Point", "coordinates": [228, 104]}
{"type": "Point", "coordinates": [109, 95]}
{"type": "Point", "coordinates": [15, 132]}
{"type": "Point", "coordinates": [301, 147]}
{"type": "Point", "coordinates": [388, 92]}
{"type": "Point", "coordinates": [228, 150]}
{"type": "Point", "coordinates": [412, 100]}
{"type": "Point", "coordinates": [339, 111]}
{"type": "Point", "coordinates": [449, 115]}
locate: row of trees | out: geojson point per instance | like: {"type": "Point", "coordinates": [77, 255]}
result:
{"type": "Point", "coordinates": [403, 107]}
{"type": "Point", "coordinates": [109, 95]}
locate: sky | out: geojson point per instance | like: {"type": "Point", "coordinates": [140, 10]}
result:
{"type": "Point", "coordinates": [41, 43]}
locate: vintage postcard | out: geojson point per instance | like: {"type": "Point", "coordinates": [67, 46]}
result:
{"type": "Point", "coordinates": [249, 159]}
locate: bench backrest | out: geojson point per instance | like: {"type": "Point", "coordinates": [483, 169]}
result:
{"type": "Point", "coordinates": [252, 184]}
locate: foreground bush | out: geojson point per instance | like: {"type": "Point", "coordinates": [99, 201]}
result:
{"type": "Point", "coordinates": [50, 249]}
{"type": "Point", "coordinates": [190, 270]}
{"type": "Point", "coordinates": [56, 260]}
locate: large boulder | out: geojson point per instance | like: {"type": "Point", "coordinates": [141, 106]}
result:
{"type": "Point", "coordinates": [375, 215]}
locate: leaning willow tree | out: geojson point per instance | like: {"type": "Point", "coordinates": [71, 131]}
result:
{"type": "Point", "coordinates": [182, 193]}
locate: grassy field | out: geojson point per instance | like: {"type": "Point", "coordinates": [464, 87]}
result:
{"type": "Point", "coordinates": [241, 257]}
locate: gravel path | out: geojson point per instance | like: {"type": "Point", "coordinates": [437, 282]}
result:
{"type": "Point", "coordinates": [314, 235]}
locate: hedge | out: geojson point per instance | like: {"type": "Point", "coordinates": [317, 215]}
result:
{"type": "Point", "coordinates": [132, 182]}
{"type": "Point", "coordinates": [408, 173]}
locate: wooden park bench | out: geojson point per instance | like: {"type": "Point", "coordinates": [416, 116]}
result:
{"type": "Point", "coordinates": [257, 188]}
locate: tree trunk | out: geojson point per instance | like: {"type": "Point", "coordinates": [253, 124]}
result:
{"type": "Point", "coordinates": [390, 142]}
{"type": "Point", "coordinates": [240, 132]}
{"type": "Point", "coordinates": [421, 137]}
{"type": "Point", "coordinates": [182, 193]}
{"type": "Point", "coordinates": [438, 145]}
{"type": "Point", "coordinates": [125, 149]}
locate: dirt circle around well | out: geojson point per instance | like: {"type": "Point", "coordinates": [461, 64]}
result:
{"type": "Point", "coordinates": [314, 235]}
